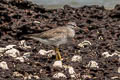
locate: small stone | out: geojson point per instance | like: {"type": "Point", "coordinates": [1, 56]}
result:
{"type": "Point", "coordinates": [58, 64]}
{"type": "Point", "coordinates": [93, 64]}
{"type": "Point", "coordinates": [76, 58]}
{"type": "Point", "coordinates": [84, 43]}
{"type": "Point", "coordinates": [59, 75]}
{"type": "Point", "coordinates": [118, 69]}
{"type": "Point", "coordinates": [12, 52]}
{"type": "Point", "coordinates": [3, 65]}
{"type": "Point", "coordinates": [21, 59]}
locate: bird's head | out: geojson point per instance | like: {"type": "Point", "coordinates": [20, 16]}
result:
{"type": "Point", "coordinates": [72, 25]}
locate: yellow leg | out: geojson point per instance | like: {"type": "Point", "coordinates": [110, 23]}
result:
{"type": "Point", "coordinates": [58, 56]}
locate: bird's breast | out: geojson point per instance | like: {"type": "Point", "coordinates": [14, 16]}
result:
{"type": "Point", "coordinates": [71, 33]}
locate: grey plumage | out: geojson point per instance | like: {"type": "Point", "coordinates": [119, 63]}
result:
{"type": "Point", "coordinates": [56, 36]}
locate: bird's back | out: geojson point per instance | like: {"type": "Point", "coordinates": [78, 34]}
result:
{"type": "Point", "coordinates": [54, 36]}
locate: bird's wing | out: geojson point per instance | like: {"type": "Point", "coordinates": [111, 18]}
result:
{"type": "Point", "coordinates": [53, 33]}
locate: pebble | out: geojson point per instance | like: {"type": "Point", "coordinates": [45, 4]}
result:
{"type": "Point", "coordinates": [12, 52]}
{"type": "Point", "coordinates": [58, 64]}
{"type": "Point", "coordinates": [3, 65]}
{"type": "Point", "coordinates": [59, 75]}
{"type": "Point", "coordinates": [93, 64]}
{"type": "Point", "coordinates": [76, 58]}
{"type": "Point", "coordinates": [84, 43]}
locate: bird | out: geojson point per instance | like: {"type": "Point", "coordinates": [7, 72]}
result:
{"type": "Point", "coordinates": [56, 37]}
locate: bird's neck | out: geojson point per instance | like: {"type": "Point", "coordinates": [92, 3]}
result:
{"type": "Point", "coordinates": [72, 32]}
{"type": "Point", "coordinates": [70, 26]}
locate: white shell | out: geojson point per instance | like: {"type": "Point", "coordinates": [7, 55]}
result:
{"type": "Point", "coordinates": [48, 53]}
{"type": "Point", "coordinates": [85, 42]}
{"type": "Point", "coordinates": [59, 75]}
{"type": "Point", "coordinates": [76, 58]}
{"type": "Point", "coordinates": [36, 22]}
{"type": "Point", "coordinates": [58, 64]}
{"type": "Point", "coordinates": [106, 54]}
{"type": "Point", "coordinates": [71, 72]}
{"type": "Point", "coordinates": [114, 77]}
{"type": "Point", "coordinates": [93, 64]}
{"type": "Point", "coordinates": [12, 52]}
{"type": "Point", "coordinates": [3, 65]}
{"type": "Point", "coordinates": [10, 46]}
{"type": "Point", "coordinates": [42, 52]}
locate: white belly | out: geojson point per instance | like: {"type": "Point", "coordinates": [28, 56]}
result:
{"type": "Point", "coordinates": [52, 41]}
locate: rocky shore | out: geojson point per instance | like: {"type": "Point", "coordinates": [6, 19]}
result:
{"type": "Point", "coordinates": [95, 55]}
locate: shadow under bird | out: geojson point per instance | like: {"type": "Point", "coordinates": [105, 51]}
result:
{"type": "Point", "coordinates": [56, 37]}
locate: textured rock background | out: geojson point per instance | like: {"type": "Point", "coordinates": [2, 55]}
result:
{"type": "Point", "coordinates": [98, 26]}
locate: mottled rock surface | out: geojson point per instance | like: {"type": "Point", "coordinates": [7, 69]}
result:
{"type": "Point", "coordinates": [97, 25]}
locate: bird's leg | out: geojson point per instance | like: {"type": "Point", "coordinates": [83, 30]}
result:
{"type": "Point", "coordinates": [58, 56]}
